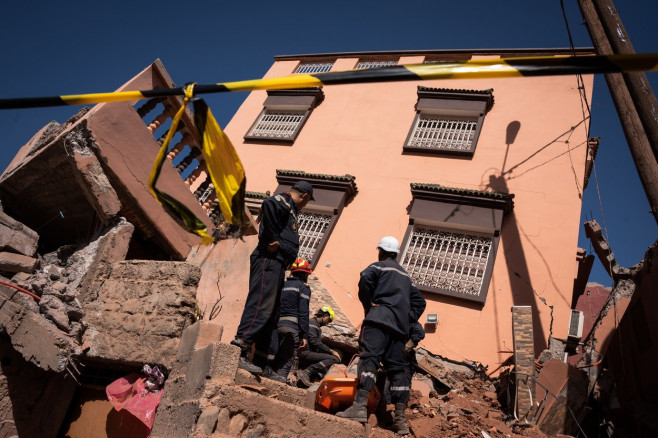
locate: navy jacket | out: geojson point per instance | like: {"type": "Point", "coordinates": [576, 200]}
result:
{"type": "Point", "coordinates": [389, 297]}
{"type": "Point", "coordinates": [279, 223]}
{"type": "Point", "coordinates": [315, 343]}
{"type": "Point", "coordinates": [295, 297]}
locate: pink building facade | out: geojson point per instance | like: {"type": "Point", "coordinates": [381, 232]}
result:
{"type": "Point", "coordinates": [480, 180]}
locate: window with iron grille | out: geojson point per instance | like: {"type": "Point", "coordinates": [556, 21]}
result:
{"type": "Point", "coordinates": [273, 124]}
{"type": "Point", "coordinates": [314, 67]}
{"type": "Point", "coordinates": [450, 245]}
{"type": "Point", "coordinates": [437, 132]}
{"type": "Point", "coordinates": [312, 230]}
{"type": "Point", "coordinates": [318, 219]}
{"type": "Point", "coordinates": [449, 260]}
{"type": "Point", "coordinates": [448, 121]}
{"type": "Point", "coordinates": [375, 64]}
{"type": "Point", "coordinates": [284, 114]}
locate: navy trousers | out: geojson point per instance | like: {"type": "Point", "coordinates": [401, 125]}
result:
{"type": "Point", "coordinates": [260, 316]}
{"type": "Point", "coordinates": [316, 363]}
{"type": "Point", "coordinates": [288, 343]}
{"type": "Point", "coordinates": [377, 345]}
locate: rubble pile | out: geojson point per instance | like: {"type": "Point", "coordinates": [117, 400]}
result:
{"type": "Point", "coordinates": [59, 302]}
{"type": "Point", "coordinates": [450, 399]}
{"type": "Point", "coordinates": [471, 409]}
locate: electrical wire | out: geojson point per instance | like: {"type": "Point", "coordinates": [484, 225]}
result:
{"type": "Point", "coordinates": [20, 289]}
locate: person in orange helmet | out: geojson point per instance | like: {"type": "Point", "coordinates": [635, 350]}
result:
{"type": "Point", "coordinates": [292, 329]}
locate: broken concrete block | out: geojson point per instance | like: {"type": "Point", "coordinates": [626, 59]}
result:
{"type": "Point", "coordinates": [436, 369]}
{"type": "Point", "coordinates": [237, 425]}
{"type": "Point", "coordinates": [256, 432]}
{"type": "Point", "coordinates": [225, 360]}
{"type": "Point", "coordinates": [34, 337]}
{"type": "Point", "coordinates": [135, 293]}
{"type": "Point", "coordinates": [12, 262]}
{"type": "Point", "coordinates": [55, 310]}
{"type": "Point", "coordinates": [90, 266]}
{"type": "Point", "coordinates": [17, 237]}
{"type": "Point", "coordinates": [93, 181]}
{"type": "Point", "coordinates": [74, 310]}
{"type": "Point", "coordinates": [223, 419]}
{"type": "Point", "coordinates": [198, 369]}
{"type": "Point", "coordinates": [209, 333]}
{"type": "Point", "coordinates": [282, 418]}
{"type": "Point", "coordinates": [207, 420]}
{"type": "Point", "coordinates": [21, 279]}
{"type": "Point", "coordinates": [38, 284]}
{"type": "Point", "coordinates": [175, 420]}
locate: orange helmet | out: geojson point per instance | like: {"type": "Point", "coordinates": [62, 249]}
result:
{"type": "Point", "coordinates": [301, 265]}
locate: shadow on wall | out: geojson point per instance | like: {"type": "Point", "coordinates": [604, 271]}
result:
{"type": "Point", "coordinates": [517, 266]}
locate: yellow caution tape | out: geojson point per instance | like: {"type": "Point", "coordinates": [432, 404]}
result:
{"type": "Point", "coordinates": [484, 68]}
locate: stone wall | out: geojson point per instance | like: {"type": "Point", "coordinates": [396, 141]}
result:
{"type": "Point", "coordinates": [140, 312]}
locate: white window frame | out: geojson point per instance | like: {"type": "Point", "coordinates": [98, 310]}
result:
{"type": "Point", "coordinates": [375, 64]}
{"type": "Point", "coordinates": [314, 67]}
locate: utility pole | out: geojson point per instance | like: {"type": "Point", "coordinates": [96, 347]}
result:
{"type": "Point", "coordinates": [631, 93]}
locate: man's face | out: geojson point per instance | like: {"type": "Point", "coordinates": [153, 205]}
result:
{"type": "Point", "coordinates": [303, 200]}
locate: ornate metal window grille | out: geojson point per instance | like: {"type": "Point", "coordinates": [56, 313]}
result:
{"type": "Point", "coordinates": [277, 124]}
{"type": "Point", "coordinates": [204, 197]}
{"type": "Point", "coordinates": [444, 133]}
{"type": "Point", "coordinates": [447, 260]}
{"type": "Point", "coordinates": [314, 67]}
{"type": "Point", "coordinates": [312, 228]}
{"type": "Point", "coordinates": [375, 64]}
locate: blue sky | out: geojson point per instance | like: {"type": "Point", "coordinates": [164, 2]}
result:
{"type": "Point", "coordinates": [86, 47]}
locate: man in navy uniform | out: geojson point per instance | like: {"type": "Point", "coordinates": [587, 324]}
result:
{"type": "Point", "coordinates": [390, 300]}
{"type": "Point", "coordinates": [318, 357]}
{"type": "Point", "coordinates": [293, 320]}
{"type": "Point", "coordinates": [278, 244]}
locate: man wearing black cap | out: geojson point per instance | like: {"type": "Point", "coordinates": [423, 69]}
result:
{"type": "Point", "coordinates": [278, 244]}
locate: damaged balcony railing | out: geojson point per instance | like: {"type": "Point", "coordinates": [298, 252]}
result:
{"type": "Point", "coordinates": [185, 154]}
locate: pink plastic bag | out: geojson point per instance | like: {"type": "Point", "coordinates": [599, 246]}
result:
{"type": "Point", "coordinates": [128, 393]}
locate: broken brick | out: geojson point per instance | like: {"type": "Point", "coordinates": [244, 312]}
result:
{"type": "Point", "coordinates": [17, 237]}
{"type": "Point", "coordinates": [12, 262]}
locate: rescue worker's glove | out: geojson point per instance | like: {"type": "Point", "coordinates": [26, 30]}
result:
{"type": "Point", "coordinates": [337, 354]}
{"type": "Point", "coordinates": [409, 346]}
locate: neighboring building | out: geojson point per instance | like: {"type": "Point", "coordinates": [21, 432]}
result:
{"type": "Point", "coordinates": [590, 303]}
{"type": "Point", "coordinates": [481, 181]}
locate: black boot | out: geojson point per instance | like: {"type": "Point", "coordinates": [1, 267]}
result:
{"type": "Point", "coordinates": [245, 364]}
{"type": "Point", "coordinates": [269, 373]}
{"type": "Point", "coordinates": [399, 420]}
{"type": "Point", "coordinates": [358, 411]}
{"type": "Point", "coordinates": [305, 377]}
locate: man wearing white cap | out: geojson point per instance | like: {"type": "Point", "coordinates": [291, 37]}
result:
{"type": "Point", "coordinates": [390, 300]}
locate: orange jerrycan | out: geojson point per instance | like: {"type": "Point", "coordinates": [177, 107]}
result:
{"type": "Point", "coordinates": [338, 388]}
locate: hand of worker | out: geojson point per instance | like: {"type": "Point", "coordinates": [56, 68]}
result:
{"type": "Point", "coordinates": [273, 247]}
{"type": "Point", "coordinates": [410, 345]}
{"type": "Point", "coordinates": [303, 345]}
{"type": "Point", "coordinates": [337, 354]}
